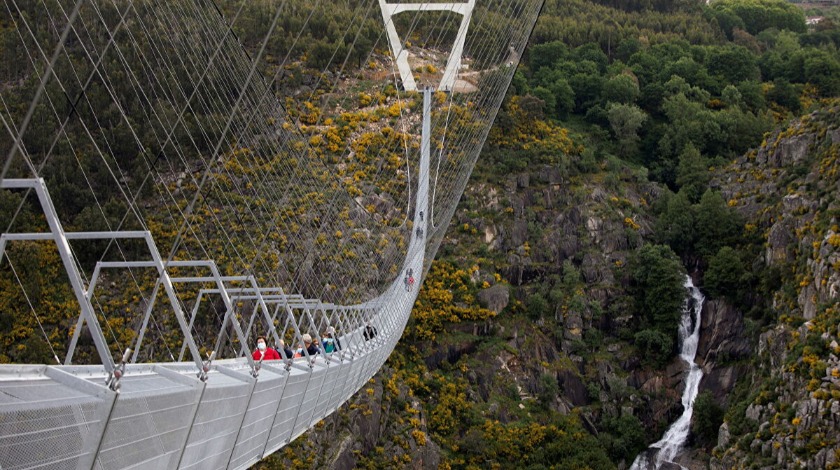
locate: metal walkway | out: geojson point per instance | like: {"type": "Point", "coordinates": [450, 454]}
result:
{"type": "Point", "coordinates": [157, 109]}
{"type": "Point", "coordinates": [229, 414]}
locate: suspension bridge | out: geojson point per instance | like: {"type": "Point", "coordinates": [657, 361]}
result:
{"type": "Point", "coordinates": [180, 177]}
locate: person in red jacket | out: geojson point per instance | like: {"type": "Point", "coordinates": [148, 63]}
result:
{"type": "Point", "coordinates": [263, 352]}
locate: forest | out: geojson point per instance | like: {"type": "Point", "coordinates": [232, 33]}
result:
{"type": "Point", "coordinates": [617, 95]}
{"type": "Point", "coordinates": [642, 100]}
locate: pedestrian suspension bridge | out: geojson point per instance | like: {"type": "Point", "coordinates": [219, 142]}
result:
{"type": "Point", "coordinates": [180, 177]}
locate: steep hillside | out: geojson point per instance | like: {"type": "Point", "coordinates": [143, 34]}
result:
{"type": "Point", "coordinates": [608, 177]}
{"type": "Point", "coordinates": [641, 142]}
{"type": "Point", "coordinates": [521, 347]}
{"type": "Point", "coordinates": [786, 415]}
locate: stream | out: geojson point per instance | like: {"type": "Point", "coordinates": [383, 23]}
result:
{"type": "Point", "coordinates": [665, 449]}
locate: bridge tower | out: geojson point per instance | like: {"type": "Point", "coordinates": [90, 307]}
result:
{"type": "Point", "coordinates": [453, 64]}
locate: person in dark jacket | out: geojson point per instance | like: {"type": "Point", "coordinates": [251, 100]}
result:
{"type": "Point", "coordinates": [288, 352]}
{"type": "Point", "coordinates": [370, 332]}
{"type": "Point", "coordinates": [310, 347]}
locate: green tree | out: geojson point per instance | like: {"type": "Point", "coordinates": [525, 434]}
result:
{"type": "Point", "coordinates": [592, 52]}
{"type": "Point", "coordinates": [657, 279]}
{"type": "Point", "coordinates": [759, 15]}
{"type": "Point", "coordinates": [751, 95]}
{"type": "Point", "coordinates": [646, 66]}
{"type": "Point", "coordinates": [690, 122]}
{"type": "Point", "coordinates": [537, 306]}
{"type": "Point", "coordinates": [625, 121]}
{"type": "Point", "coordinates": [620, 89]}
{"type": "Point", "coordinates": [624, 437]}
{"type": "Point", "coordinates": [548, 99]}
{"type": "Point", "coordinates": [320, 54]}
{"type": "Point", "coordinates": [823, 70]}
{"type": "Point", "coordinates": [518, 84]}
{"type": "Point", "coordinates": [675, 226]}
{"type": "Point", "coordinates": [548, 390]}
{"type": "Point", "coordinates": [738, 131]}
{"type": "Point", "coordinates": [727, 20]}
{"type": "Point", "coordinates": [546, 54]}
{"type": "Point", "coordinates": [627, 48]}
{"type": "Point", "coordinates": [692, 173]}
{"type": "Point", "coordinates": [689, 69]}
{"type": "Point", "coordinates": [778, 61]}
{"type": "Point", "coordinates": [706, 419]}
{"type": "Point", "coordinates": [725, 274]}
{"type": "Point", "coordinates": [731, 96]}
{"type": "Point", "coordinates": [655, 347]}
{"type": "Point", "coordinates": [587, 89]}
{"type": "Point", "coordinates": [784, 94]}
{"type": "Point", "coordinates": [717, 224]}
{"type": "Point", "coordinates": [733, 64]}
{"type": "Point", "coordinates": [564, 97]}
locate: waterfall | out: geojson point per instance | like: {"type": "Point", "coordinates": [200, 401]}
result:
{"type": "Point", "coordinates": [666, 448]}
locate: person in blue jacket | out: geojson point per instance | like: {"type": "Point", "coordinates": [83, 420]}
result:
{"type": "Point", "coordinates": [331, 343]}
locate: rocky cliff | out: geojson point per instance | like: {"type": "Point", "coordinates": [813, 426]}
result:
{"type": "Point", "coordinates": [786, 415]}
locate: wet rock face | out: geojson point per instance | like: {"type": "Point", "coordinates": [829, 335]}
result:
{"type": "Point", "coordinates": [722, 335]}
{"type": "Point", "coordinates": [722, 341]}
{"type": "Point", "coordinates": [662, 389]}
{"type": "Point", "coordinates": [573, 388]}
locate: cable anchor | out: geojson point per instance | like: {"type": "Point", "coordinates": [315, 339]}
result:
{"type": "Point", "coordinates": [113, 380]}
{"type": "Point", "coordinates": [205, 367]}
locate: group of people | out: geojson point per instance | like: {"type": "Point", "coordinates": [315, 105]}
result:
{"type": "Point", "coordinates": [329, 344]}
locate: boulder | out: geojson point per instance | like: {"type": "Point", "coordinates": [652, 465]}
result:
{"type": "Point", "coordinates": [492, 237]}
{"type": "Point", "coordinates": [723, 436]}
{"type": "Point", "coordinates": [808, 301]}
{"type": "Point", "coordinates": [780, 244]}
{"type": "Point", "coordinates": [494, 298]}
{"type": "Point", "coordinates": [550, 174]}
{"type": "Point", "coordinates": [518, 234]}
{"type": "Point", "coordinates": [574, 326]}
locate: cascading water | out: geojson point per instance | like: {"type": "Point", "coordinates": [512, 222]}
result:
{"type": "Point", "coordinates": [689, 334]}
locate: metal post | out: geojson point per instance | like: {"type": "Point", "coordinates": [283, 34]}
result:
{"type": "Point", "coordinates": [193, 313]}
{"type": "Point", "coordinates": [73, 272]}
{"type": "Point", "coordinates": [176, 304]}
{"type": "Point", "coordinates": [146, 315]}
{"type": "Point", "coordinates": [236, 327]}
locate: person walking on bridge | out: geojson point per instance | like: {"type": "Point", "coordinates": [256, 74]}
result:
{"type": "Point", "coordinates": [288, 352]}
{"type": "Point", "coordinates": [331, 343]}
{"type": "Point", "coordinates": [310, 347]}
{"type": "Point", "coordinates": [263, 352]}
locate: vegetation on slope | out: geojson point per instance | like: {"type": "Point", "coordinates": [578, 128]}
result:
{"type": "Point", "coordinates": [599, 188]}
{"type": "Point", "coordinates": [669, 92]}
